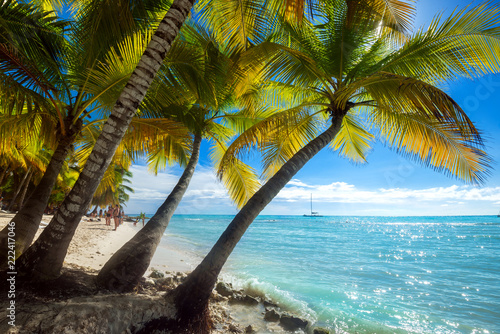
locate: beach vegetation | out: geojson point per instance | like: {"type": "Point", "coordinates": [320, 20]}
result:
{"type": "Point", "coordinates": [44, 258]}
{"type": "Point", "coordinates": [98, 32]}
{"type": "Point", "coordinates": [114, 188]}
{"type": "Point", "coordinates": [338, 74]}
{"type": "Point", "coordinates": [64, 85]}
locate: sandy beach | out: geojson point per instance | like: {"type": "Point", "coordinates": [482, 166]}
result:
{"type": "Point", "coordinates": [94, 243]}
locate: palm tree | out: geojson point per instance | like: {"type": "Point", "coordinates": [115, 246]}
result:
{"type": "Point", "coordinates": [63, 84]}
{"type": "Point", "coordinates": [22, 154]}
{"type": "Point", "coordinates": [146, 137]}
{"type": "Point", "coordinates": [114, 189]}
{"type": "Point", "coordinates": [212, 114]}
{"type": "Point", "coordinates": [393, 87]}
{"type": "Point", "coordinates": [45, 257]}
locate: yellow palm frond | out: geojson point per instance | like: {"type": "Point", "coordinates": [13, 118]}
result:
{"type": "Point", "coordinates": [404, 93]}
{"type": "Point", "coordinates": [50, 5]}
{"type": "Point", "coordinates": [30, 126]}
{"type": "Point", "coordinates": [282, 96]}
{"type": "Point", "coordinates": [256, 135]}
{"type": "Point", "coordinates": [235, 22]}
{"type": "Point", "coordinates": [106, 80]}
{"type": "Point", "coordinates": [282, 144]}
{"type": "Point", "coordinates": [396, 16]}
{"type": "Point", "coordinates": [436, 143]}
{"type": "Point", "coordinates": [240, 180]}
{"type": "Point", "coordinates": [242, 120]}
{"type": "Point", "coordinates": [353, 141]}
{"type": "Point", "coordinates": [164, 141]}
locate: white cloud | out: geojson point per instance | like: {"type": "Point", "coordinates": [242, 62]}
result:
{"type": "Point", "coordinates": [347, 193]}
{"type": "Point", "coordinates": [206, 195]}
{"type": "Point", "coordinates": [340, 198]}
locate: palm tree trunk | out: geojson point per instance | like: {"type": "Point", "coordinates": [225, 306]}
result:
{"type": "Point", "coordinates": [44, 259]}
{"type": "Point", "coordinates": [18, 190]}
{"type": "Point", "coordinates": [29, 216]}
{"type": "Point", "coordinates": [25, 190]}
{"type": "Point", "coordinates": [125, 268]}
{"type": "Point", "coordinates": [2, 176]}
{"type": "Point", "coordinates": [191, 297]}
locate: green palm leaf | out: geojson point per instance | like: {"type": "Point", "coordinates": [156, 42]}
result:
{"type": "Point", "coordinates": [353, 141]}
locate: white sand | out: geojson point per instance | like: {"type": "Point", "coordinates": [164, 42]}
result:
{"type": "Point", "coordinates": [94, 243]}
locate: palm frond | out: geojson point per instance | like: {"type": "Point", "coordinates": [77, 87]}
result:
{"type": "Point", "coordinates": [353, 141]}
{"type": "Point", "coordinates": [240, 180]}
{"type": "Point", "coordinates": [466, 44]}
{"type": "Point", "coordinates": [236, 23]}
{"type": "Point", "coordinates": [100, 25]}
{"type": "Point", "coordinates": [405, 93]}
{"type": "Point", "coordinates": [106, 79]}
{"type": "Point", "coordinates": [434, 143]}
{"type": "Point", "coordinates": [162, 140]}
{"type": "Point", "coordinates": [258, 135]}
{"type": "Point", "coordinates": [22, 70]}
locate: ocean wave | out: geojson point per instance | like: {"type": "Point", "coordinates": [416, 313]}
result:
{"type": "Point", "coordinates": [284, 299]}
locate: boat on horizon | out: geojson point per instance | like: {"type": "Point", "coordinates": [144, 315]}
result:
{"type": "Point", "coordinates": [314, 213]}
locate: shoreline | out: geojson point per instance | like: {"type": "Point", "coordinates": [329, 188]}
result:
{"type": "Point", "coordinates": [94, 243]}
{"type": "Point", "coordinates": [233, 311]}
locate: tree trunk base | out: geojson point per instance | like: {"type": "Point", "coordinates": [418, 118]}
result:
{"type": "Point", "coordinates": [89, 315]}
{"type": "Point", "coordinates": [187, 320]}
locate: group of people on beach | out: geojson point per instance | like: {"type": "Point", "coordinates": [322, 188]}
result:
{"type": "Point", "coordinates": [115, 212]}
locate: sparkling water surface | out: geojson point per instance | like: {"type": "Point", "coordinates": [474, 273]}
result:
{"type": "Point", "coordinates": [365, 274]}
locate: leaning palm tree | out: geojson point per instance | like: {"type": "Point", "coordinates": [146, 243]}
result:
{"type": "Point", "coordinates": [43, 70]}
{"type": "Point", "coordinates": [44, 258]}
{"type": "Point", "coordinates": [370, 86]}
{"type": "Point", "coordinates": [212, 114]}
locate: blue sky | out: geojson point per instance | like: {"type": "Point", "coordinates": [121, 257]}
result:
{"type": "Point", "coordinates": [387, 185]}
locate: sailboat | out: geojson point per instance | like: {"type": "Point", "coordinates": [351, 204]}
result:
{"type": "Point", "coordinates": [313, 213]}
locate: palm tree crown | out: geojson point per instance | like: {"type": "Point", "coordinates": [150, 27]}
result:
{"type": "Point", "coordinates": [344, 63]}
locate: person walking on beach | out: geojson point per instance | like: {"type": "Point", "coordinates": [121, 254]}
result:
{"type": "Point", "coordinates": [108, 215]}
{"type": "Point", "coordinates": [142, 216]}
{"type": "Point", "coordinates": [100, 214]}
{"type": "Point", "coordinates": [122, 215]}
{"type": "Point", "coordinates": [116, 215]}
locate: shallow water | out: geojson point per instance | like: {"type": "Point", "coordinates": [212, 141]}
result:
{"type": "Point", "coordinates": [365, 274]}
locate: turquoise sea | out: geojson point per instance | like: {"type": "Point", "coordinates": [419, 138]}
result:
{"type": "Point", "coordinates": [365, 274]}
